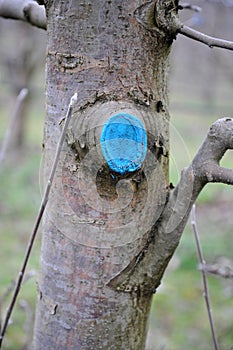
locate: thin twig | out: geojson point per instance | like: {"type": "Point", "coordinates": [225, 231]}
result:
{"type": "Point", "coordinates": [7, 139]}
{"type": "Point", "coordinates": [44, 201]}
{"type": "Point", "coordinates": [218, 270]}
{"type": "Point", "coordinates": [187, 6]}
{"type": "Point", "coordinates": [205, 39]}
{"type": "Point", "coordinates": [25, 306]}
{"type": "Point", "coordinates": [10, 288]}
{"type": "Point", "coordinates": [3, 298]}
{"type": "Point", "coordinates": [204, 279]}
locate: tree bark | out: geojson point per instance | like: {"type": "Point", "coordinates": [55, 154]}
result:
{"type": "Point", "coordinates": [99, 262]}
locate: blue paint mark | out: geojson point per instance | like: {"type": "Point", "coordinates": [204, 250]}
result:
{"type": "Point", "coordinates": [124, 143]}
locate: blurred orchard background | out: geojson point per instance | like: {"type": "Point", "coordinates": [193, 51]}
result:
{"type": "Point", "coordinates": [201, 91]}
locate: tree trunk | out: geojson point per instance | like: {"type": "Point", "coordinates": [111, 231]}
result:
{"type": "Point", "coordinates": [101, 258]}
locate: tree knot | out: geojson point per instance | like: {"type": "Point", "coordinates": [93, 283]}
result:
{"type": "Point", "coordinates": [160, 17]}
{"type": "Point", "coordinates": [166, 18]}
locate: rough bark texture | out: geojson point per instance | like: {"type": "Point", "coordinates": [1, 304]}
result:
{"type": "Point", "coordinates": [115, 56]}
{"type": "Point", "coordinates": [107, 237]}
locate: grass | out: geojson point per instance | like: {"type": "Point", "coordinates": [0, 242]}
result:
{"type": "Point", "coordinates": [20, 190]}
{"type": "Point", "coordinates": [178, 313]}
{"type": "Point", "coordinates": [20, 199]}
{"type": "Point", "coordinates": [178, 319]}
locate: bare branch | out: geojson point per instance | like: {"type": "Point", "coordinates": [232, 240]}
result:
{"type": "Point", "coordinates": [206, 162]}
{"type": "Point", "coordinates": [26, 307]}
{"type": "Point", "coordinates": [205, 39]}
{"type": "Point", "coordinates": [203, 169]}
{"type": "Point", "coordinates": [218, 269]}
{"type": "Point", "coordinates": [10, 288]}
{"type": "Point", "coordinates": [7, 139]}
{"type": "Point", "coordinates": [187, 6]}
{"type": "Point", "coordinates": [170, 226]}
{"type": "Point", "coordinates": [24, 10]}
{"type": "Point", "coordinates": [204, 279]}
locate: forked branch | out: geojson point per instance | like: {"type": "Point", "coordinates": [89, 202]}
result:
{"type": "Point", "coordinates": [204, 168]}
{"type": "Point", "coordinates": [165, 236]}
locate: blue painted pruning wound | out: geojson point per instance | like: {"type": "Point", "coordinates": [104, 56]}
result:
{"type": "Point", "coordinates": [124, 143]}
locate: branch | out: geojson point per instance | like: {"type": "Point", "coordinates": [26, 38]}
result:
{"type": "Point", "coordinates": [25, 10]}
{"type": "Point", "coordinates": [10, 288]}
{"type": "Point", "coordinates": [186, 6]}
{"type": "Point", "coordinates": [8, 136]}
{"type": "Point", "coordinates": [205, 39]}
{"type": "Point", "coordinates": [204, 168]}
{"type": "Point", "coordinates": [28, 324]}
{"type": "Point", "coordinates": [164, 237]}
{"type": "Point", "coordinates": [218, 269]}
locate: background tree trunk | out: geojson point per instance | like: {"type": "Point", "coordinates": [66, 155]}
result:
{"type": "Point", "coordinates": [99, 225]}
